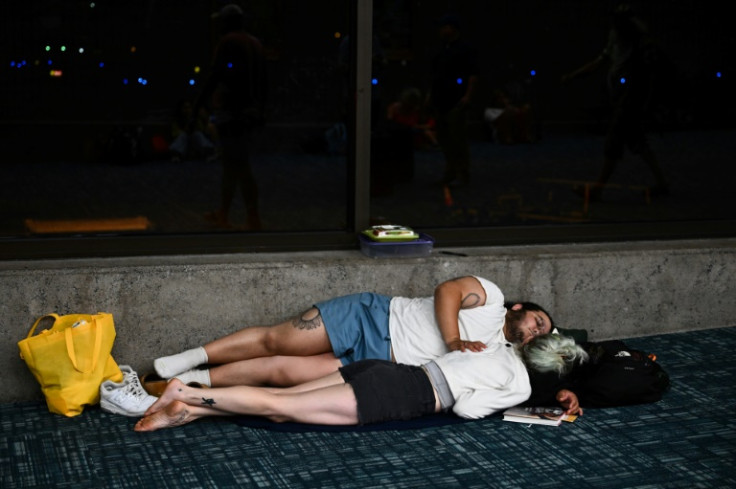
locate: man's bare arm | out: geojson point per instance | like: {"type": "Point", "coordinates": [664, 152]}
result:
{"type": "Point", "coordinates": [449, 298]}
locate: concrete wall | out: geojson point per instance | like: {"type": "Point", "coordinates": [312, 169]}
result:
{"type": "Point", "coordinates": [163, 305]}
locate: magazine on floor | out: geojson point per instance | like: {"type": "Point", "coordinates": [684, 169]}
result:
{"type": "Point", "coordinates": [550, 416]}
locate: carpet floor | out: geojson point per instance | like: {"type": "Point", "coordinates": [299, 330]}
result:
{"type": "Point", "coordinates": [687, 440]}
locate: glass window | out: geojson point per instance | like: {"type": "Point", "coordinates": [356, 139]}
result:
{"type": "Point", "coordinates": [159, 118]}
{"type": "Point", "coordinates": [500, 120]}
{"type": "Point", "coordinates": [518, 114]}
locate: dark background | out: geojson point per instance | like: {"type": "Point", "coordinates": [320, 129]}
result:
{"type": "Point", "coordinates": [524, 47]}
{"type": "Point", "coordinates": [513, 38]}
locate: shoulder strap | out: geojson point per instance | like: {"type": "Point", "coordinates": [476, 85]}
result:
{"type": "Point", "coordinates": [33, 328]}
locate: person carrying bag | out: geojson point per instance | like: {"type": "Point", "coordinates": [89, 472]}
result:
{"type": "Point", "coordinates": [71, 359]}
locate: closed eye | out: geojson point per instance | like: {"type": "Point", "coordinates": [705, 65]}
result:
{"type": "Point", "coordinates": [540, 324]}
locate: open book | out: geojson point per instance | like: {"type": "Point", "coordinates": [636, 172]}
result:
{"type": "Point", "coordinates": [551, 416]}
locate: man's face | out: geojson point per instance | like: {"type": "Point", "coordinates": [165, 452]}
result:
{"type": "Point", "coordinates": [522, 326]}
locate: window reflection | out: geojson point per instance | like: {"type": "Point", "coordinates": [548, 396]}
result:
{"type": "Point", "coordinates": [539, 143]}
{"type": "Point", "coordinates": [92, 90]}
{"type": "Point", "coordinates": [102, 132]}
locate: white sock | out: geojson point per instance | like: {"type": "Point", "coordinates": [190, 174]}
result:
{"type": "Point", "coordinates": [196, 375]}
{"type": "Point", "coordinates": [168, 367]}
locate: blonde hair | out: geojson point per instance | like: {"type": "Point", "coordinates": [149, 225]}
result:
{"type": "Point", "coordinates": [552, 353]}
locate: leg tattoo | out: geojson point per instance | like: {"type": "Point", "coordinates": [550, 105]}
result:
{"type": "Point", "coordinates": [181, 419]}
{"type": "Point", "coordinates": [305, 322]}
{"type": "Point", "coordinates": [208, 402]}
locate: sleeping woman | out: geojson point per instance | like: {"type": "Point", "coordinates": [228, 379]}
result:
{"type": "Point", "coordinates": [471, 384]}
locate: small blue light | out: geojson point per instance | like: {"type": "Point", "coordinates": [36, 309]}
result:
{"type": "Point", "coordinates": [49, 62]}
{"type": "Point", "coordinates": [718, 74]}
{"type": "Point", "coordinates": [101, 64]}
{"type": "Point", "coordinates": [374, 81]}
{"type": "Point", "coordinates": [229, 65]}
{"type": "Point", "coordinates": [533, 72]}
{"type": "Point", "coordinates": [125, 81]}
{"type": "Point", "coordinates": [12, 64]}
{"type": "Point", "coordinates": [459, 81]}
{"type": "Point", "coordinates": [622, 80]}
{"type": "Point", "coordinates": [192, 82]}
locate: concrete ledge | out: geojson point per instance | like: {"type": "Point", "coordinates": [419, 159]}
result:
{"type": "Point", "coordinates": [165, 304]}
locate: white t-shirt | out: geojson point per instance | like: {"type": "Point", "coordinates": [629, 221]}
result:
{"type": "Point", "coordinates": [415, 334]}
{"type": "Point", "coordinates": [487, 381]}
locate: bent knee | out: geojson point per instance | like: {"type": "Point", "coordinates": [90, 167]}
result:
{"type": "Point", "coordinates": [287, 338]}
{"type": "Point", "coordinates": [272, 341]}
{"type": "Point", "coordinates": [304, 335]}
{"type": "Point", "coordinates": [285, 371]}
{"type": "Point", "coordinates": [281, 375]}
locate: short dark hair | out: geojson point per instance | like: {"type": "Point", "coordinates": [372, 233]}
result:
{"type": "Point", "coordinates": [532, 306]}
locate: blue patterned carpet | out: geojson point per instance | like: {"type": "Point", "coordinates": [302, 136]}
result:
{"type": "Point", "coordinates": [687, 440]}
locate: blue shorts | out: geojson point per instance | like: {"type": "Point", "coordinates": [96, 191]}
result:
{"type": "Point", "coordinates": [357, 326]}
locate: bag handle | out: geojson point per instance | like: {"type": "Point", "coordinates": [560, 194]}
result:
{"type": "Point", "coordinates": [33, 328]}
{"type": "Point", "coordinates": [95, 354]}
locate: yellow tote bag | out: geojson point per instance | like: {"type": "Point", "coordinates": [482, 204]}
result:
{"type": "Point", "coordinates": [71, 359]}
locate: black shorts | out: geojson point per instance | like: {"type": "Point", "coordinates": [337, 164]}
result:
{"type": "Point", "coordinates": [388, 391]}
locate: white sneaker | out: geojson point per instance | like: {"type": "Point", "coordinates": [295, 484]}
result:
{"type": "Point", "coordinates": [127, 397]}
{"type": "Point", "coordinates": [130, 376]}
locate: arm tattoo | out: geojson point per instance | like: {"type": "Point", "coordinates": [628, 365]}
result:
{"type": "Point", "coordinates": [208, 402]}
{"type": "Point", "coordinates": [306, 322]}
{"type": "Point", "coordinates": [470, 300]}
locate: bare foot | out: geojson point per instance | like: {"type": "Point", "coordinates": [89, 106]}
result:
{"type": "Point", "coordinates": [168, 396]}
{"type": "Point", "coordinates": [175, 414]}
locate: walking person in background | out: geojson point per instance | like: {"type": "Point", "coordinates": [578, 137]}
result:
{"type": "Point", "coordinates": [236, 88]}
{"type": "Point", "coordinates": [631, 55]}
{"type": "Point", "coordinates": [454, 81]}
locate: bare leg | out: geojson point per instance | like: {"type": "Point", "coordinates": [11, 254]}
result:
{"type": "Point", "coordinates": [325, 401]}
{"type": "Point", "coordinates": [281, 371]}
{"type": "Point", "coordinates": [333, 378]}
{"type": "Point", "coordinates": [304, 335]}
{"type": "Point", "coordinates": [301, 336]}
{"type": "Point", "coordinates": [176, 413]}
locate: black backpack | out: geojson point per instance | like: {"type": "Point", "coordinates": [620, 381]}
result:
{"type": "Point", "coordinates": [617, 375]}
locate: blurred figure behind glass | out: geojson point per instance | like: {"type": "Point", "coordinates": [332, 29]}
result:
{"type": "Point", "coordinates": [236, 90]}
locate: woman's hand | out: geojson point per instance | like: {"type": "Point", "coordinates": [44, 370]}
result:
{"type": "Point", "coordinates": [569, 400]}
